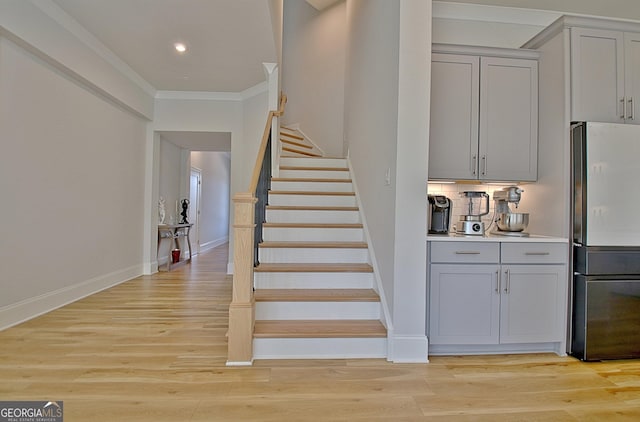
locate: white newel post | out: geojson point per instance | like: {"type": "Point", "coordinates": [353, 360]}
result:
{"type": "Point", "coordinates": [271, 73]}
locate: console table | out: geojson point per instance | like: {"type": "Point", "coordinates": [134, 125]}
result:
{"type": "Point", "coordinates": [174, 232]}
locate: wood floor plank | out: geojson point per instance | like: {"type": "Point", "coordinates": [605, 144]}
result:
{"type": "Point", "coordinates": [154, 349]}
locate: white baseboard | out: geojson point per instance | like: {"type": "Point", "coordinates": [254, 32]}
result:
{"type": "Point", "coordinates": [213, 244]}
{"type": "Point", "coordinates": [408, 349]}
{"type": "Point", "coordinates": [27, 309]}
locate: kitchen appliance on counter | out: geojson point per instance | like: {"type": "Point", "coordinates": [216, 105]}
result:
{"type": "Point", "coordinates": [509, 223]}
{"type": "Point", "coordinates": [438, 214]}
{"type": "Point", "coordinates": [474, 205]}
{"type": "Point", "coordinates": [606, 235]}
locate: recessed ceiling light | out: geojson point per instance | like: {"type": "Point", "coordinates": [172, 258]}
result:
{"type": "Point", "coordinates": [180, 47]}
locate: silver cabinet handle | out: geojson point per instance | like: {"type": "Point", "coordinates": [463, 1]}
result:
{"type": "Point", "coordinates": [484, 165]}
{"type": "Point", "coordinates": [474, 164]}
{"type": "Point", "coordinates": [507, 284]}
{"type": "Point", "coordinates": [497, 281]}
{"type": "Point", "coordinates": [537, 253]}
{"type": "Point", "coordinates": [467, 253]}
{"type": "Point", "coordinates": [633, 112]}
{"type": "Point", "coordinates": [622, 107]}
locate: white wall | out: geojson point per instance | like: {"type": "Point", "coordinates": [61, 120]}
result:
{"type": "Point", "coordinates": [72, 188]}
{"type": "Point", "coordinates": [313, 72]}
{"type": "Point", "coordinates": [386, 130]}
{"type": "Point", "coordinates": [214, 196]}
{"type": "Point", "coordinates": [170, 179]}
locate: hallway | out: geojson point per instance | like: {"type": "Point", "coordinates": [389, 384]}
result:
{"type": "Point", "coordinates": [154, 349]}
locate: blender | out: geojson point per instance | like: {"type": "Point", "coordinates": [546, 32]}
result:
{"type": "Point", "coordinates": [475, 204]}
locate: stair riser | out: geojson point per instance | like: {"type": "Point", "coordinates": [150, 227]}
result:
{"type": "Point", "coordinates": [317, 310]}
{"type": "Point", "coordinates": [312, 216]}
{"type": "Point", "coordinates": [319, 348]}
{"type": "Point", "coordinates": [313, 280]}
{"type": "Point", "coordinates": [313, 234]}
{"type": "Point", "coordinates": [315, 255]}
{"type": "Point", "coordinates": [314, 174]}
{"type": "Point", "coordinates": [313, 162]}
{"type": "Point", "coordinates": [312, 186]}
{"type": "Point", "coordinates": [313, 200]}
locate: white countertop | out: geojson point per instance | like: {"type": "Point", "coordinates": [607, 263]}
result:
{"type": "Point", "coordinates": [532, 238]}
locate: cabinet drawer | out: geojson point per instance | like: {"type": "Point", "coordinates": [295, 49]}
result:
{"type": "Point", "coordinates": [465, 252]}
{"type": "Point", "coordinates": [534, 253]}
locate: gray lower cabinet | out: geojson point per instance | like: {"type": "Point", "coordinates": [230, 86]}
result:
{"type": "Point", "coordinates": [485, 293]}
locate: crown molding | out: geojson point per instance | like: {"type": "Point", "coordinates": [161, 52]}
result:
{"type": "Point", "coordinates": [499, 14]}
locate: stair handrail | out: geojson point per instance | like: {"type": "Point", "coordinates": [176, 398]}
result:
{"type": "Point", "coordinates": [247, 232]}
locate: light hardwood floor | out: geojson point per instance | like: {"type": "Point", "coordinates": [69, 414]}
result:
{"type": "Point", "coordinates": [154, 349]}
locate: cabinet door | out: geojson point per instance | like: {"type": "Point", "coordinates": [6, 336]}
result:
{"type": "Point", "coordinates": [632, 77]}
{"type": "Point", "coordinates": [508, 119]}
{"type": "Point", "coordinates": [533, 303]}
{"type": "Point", "coordinates": [597, 75]}
{"type": "Point", "coordinates": [453, 136]}
{"type": "Point", "coordinates": [464, 304]}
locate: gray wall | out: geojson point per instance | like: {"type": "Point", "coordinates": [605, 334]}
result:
{"type": "Point", "coordinates": [313, 72]}
{"type": "Point", "coordinates": [387, 131]}
{"type": "Point", "coordinates": [214, 196]}
{"type": "Point", "coordinates": [72, 187]}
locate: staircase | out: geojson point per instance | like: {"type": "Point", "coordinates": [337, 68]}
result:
{"type": "Point", "coordinates": [296, 144]}
{"type": "Point", "coordinates": [314, 287]}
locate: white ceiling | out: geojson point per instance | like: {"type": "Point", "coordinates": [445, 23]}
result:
{"type": "Point", "coordinates": [227, 40]}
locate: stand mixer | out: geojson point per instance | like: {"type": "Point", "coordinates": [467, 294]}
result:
{"type": "Point", "coordinates": [475, 204]}
{"type": "Point", "coordinates": [509, 223]}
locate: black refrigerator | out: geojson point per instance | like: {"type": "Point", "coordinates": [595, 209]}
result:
{"type": "Point", "coordinates": [605, 318]}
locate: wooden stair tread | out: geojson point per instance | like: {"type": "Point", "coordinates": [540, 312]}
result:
{"type": "Point", "coordinates": [309, 208]}
{"type": "Point", "coordinates": [314, 168]}
{"type": "Point", "coordinates": [291, 135]}
{"type": "Point", "coordinates": [295, 151]}
{"type": "Point", "coordinates": [319, 329]}
{"type": "Point", "coordinates": [302, 267]}
{"type": "Point", "coordinates": [314, 225]}
{"type": "Point", "coordinates": [297, 244]}
{"type": "Point", "coordinates": [295, 143]}
{"type": "Point", "coordinates": [309, 179]}
{"type": "Point", "coordinates": [300, 192]}
{"type": "Point", "coordinates": [316, 295]}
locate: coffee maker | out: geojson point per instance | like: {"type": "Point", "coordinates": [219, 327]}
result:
{"type": "Point", "coordinates": [438, 214]}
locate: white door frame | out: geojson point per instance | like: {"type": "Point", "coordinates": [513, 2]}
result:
{"type": "Point", "coordinates": [195, 196]}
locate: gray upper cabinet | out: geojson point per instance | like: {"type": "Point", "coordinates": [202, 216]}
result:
{"type": "Point", "coordinates": [605, 75]}
{"type": "Point", "coordinates": [484, 117]}
{"type": "Point", "coordinates": [455, 98]}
